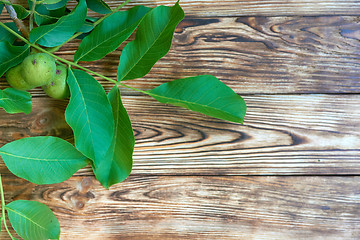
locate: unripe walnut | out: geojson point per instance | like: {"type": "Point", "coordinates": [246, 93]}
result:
{"type": "Point", "coordinates": [38, 69]}
{"type": "Point", "coordinates": [15, 79]}
{"type": "Point", "coordinates": [57, 87]}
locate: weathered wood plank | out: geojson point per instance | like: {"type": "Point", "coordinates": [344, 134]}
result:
{"type": "Point", "coordinates": [256, 7]}
{"type": "Point", "coordinates": [259, 7]}
{"type": "Point", "coordinates": [200, 207]}
{"type": "Point", "coordinates": [212, 8]}
{"type": "Point", "coordinates": [263, 55]}
{"type": "Point", "coordinates": [289, 134]}
{"type": "Point", "coordinates": [255, 55]}
{"type": "Point", "coordinates": [282, 135]}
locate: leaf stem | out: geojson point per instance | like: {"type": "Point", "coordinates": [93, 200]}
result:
{"type": "Point", "coordinates": [14, 33]}
{"type": "Point", "coordinates": [69, 62]}
{"type": "Point", "coordinates": [3, 218]}
{"type": "Point", "coordinates": [32, 11]}
{"type": "Point", "coordinates": [120, 6]}
{"type": "Point", "coordinates": [112, 12]}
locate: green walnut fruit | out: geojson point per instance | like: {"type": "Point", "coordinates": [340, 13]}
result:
{"type": "Point", "coordinates": [38, 69]}
{"type": "Point", "coordinates": [15, 79]}
{"type": "Point", "coordinates": [57, 87]}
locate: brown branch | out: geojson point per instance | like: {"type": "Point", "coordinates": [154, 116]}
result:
{"type": "Point", "coordinates": [20, 25]}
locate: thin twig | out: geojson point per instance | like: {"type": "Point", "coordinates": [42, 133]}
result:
{"type": "Point", "coordinates": [32, 15]}
{"type": "Point", "coordinates": [3, 218]}
{"type": "Point", "coordinates": [20, 25]}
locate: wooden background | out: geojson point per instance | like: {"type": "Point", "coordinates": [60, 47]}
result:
{"type": "Point", "coordinates": [292, 171]}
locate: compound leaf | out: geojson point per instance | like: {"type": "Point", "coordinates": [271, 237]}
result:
{"type": "Point", "coordinates": [15, 101]}
{"type": "Point", "coordinates": [205, 94]}
{"type": "Point", "coordinates": [57, 33]}
{"type": "Point", "coordinates": [98, 6]}
{"type": "Point", "coordinates": [116, 165]}
{"type": "Point", "coordinates": [33, 220]}
{"type": "Point", "coordinates": [42, 160]}
{"type": "Point", "coordinates": [152, 42]}
{"type": "Point", "coordinates": [11, 56]}
{"type": "Point", "coordinates": [89, 114]}
{"type": "Point", "coordinates": [110, 33]}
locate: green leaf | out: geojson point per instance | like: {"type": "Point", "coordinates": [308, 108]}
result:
{"type": "Point", "coordinates": [57, 33]}
{"type": "Point", "coordinates": [45, 16]}
{"type": "Point", "coordinates": [92, 19]}
{"type": "Point", "coordinates": [58, 12]}
{"type": "Point", "coordinates": [42, 19]}
{"type": "Point", "coordinates": [5, 35]}
{"type": "Point", "coordinates": [152, 42]}
{"type": "Point", "coordinates": [15, 101]}
{"type": "Point", "coordinates": [60, 4]}
{"type": "Point", "coordinates": [89, 114]}
{"type": "Point", "coordinates": [21, 11]}
{"type": "Point", "coordinates": [42, 160]}
{"type": "Point", "coordinates": [116, 165]}
{"type": "Point", "coordinates": [87, 27]}
{"type": "Point", "coordinates": [98, 6]}
{"type": "Point", "coordinates": [109, 34]}
{"type": "Point", "coordinates": [50, 1]}
{"type": "Point", "coordinates": [11, 56]}
{"type": "Point", "coordinates": [204, 94]}
{"type": "Point", "coordinates": [33, 220]}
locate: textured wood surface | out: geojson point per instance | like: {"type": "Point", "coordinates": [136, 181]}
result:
{"type": "Point", "coordinates": [210, 8]}
{"type": "Point", "coordinates": [153, 207]}
{"type": "Point", "coordinates": [280, 136]}
{"type": "Point", "coordinates": [255, 55]}
{"type": "Point", "coordinates": [290, 172]}
{"type": "Point", "coordinates": [258, 7]}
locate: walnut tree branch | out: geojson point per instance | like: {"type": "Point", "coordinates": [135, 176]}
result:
{"type": "Point", "coordinates": [20, 25]}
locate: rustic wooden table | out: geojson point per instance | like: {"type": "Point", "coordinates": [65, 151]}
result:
{"type": "Point", "coordinates": [290, 172]}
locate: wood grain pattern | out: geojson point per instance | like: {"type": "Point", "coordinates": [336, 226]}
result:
{"type": "Point", "coordinates": [254, 55]}
{"type": "Point", "coordinates": [297, 64]}
{"type": "Point", "coordinates": [257, 7]}
{"type": "Point", "coordinates": [290, 134]}
{"type": "Point", "coordinates": [263, 55]}
{"type": "Point", "coordinates": [153, 207]}
{"type": "Point", "coordinates": [211, 8]}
